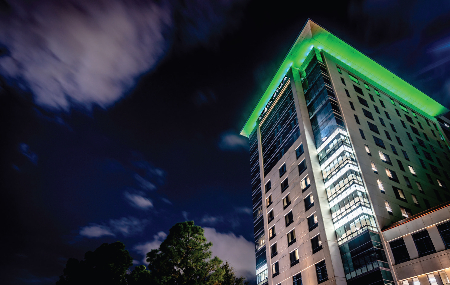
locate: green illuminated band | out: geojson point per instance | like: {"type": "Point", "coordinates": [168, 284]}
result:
{"type": "Point", "coordinates": [314, 36]}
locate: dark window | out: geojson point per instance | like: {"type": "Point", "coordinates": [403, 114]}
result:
{"type": "Point", "coordinates": [286, 201]}
{"type": "Point", "coordinates": [309, 202]}
{"type": "Point", "coordinates": [299, 151]}
{"type": "Point", "coordinates": [415, 149]}
{"type": "Point", "coordinates": [382, 105]}
{"type": "Point", "coordinates": [343, 81]}
{"type": "Point", "coordinates": [432, 148]}
{"type": "Point", "coordinates": [289, 218]}
{"type": "Point", "coordinates": [382, 121]}
{"type": "Point", "coordinates": [297, 279]}
{"type": "Point", "coordinates": [392, 175]}
{"type": "Point", "coordinates": [282, 170]}
{"type": "Point", "coordinates": [367, 114]}
{"type": "Point", "coordinates": [357, 119]}
{"type": "Point", "coordinates": [415, 131]}
{"type": "Point", "coordinates": [373, 128]}
{"type": "Point", "coordinates": [346, 92]}
{"type": "Point", "coordinates": [430, 180]}
{"type": "Point", "coordinates": [423, 163]}
{"type": "Point", "coordinates": [312, 222]}
{"type": "Point", "coordinates": [321, 271]}
{"type": "Point", "coordinates": [420, 125]}
{"type": "Point", "coordinates": [409, 119]}
{"type": "Point", "coordinates": [358, 90]}
{"type": "Point", "coordinates": [398, 113]}
{"type": "Point", "coordinates": [291, 237]}
{"type": "Point", "coordinates": [363, 101]}
{"type": "Point", "coordinates": [400, 165]}
{"type": "Point", "coordinates": [388, 136]}
{"type": "Point", "coordinates": [293, 256]}
{"type": "Point", "coordinates": [408, 183]}
{"type": "Point", "coordinates": [351, 105]}
{"type": "Point", "coordinates": [427, 155]}
{"type": "Point", "coordinates": [437, 195]}
{"type": "Point", "coordinates": [405, 154]}
{"type": "Point", "coordinates": [403, 124]}
{"type": "Point", "coordinates": [394, 150]}
{"type": "Point", "coordinates": [399, 141]}
{"type": "Point", "coordinates": [371, 97]}
{"type": "Point", "coordinates": [269, 216]}
{"type": "Point", "coordinates": [399, 251]}
{"type": "Point", "coordinates": [376, 109]}
{"type": "Point", "coordinates": [426, 137]}
{"type": "Point", "coordinates": [439, 161]}
{"type": "Point", "coordinates": [432, 131]}
{"type": "Point", "coordinates": [379, 142]}
{"type": "Point", "coordinates": [275, 269]}
{"type": "Point", "coordinates": [409, 136]}
{"type": "Point", "coordinates": [273, 250]}
{"type": "Point", "coordinates": [434, 169]}
{"type": "Point", "coordinates": [302, 167]}
{"type": "Point", "coordinates": [316, 244]}
{"type": "Point", "coordinates": [444, 231]}
{"type": "Point", "coordinates": [284, 184]}
{"type": "Point", "coordinates": [393, 128]}
{"type": "Point", "coordinates": [423, 243]}
{"type": "Point", "coordinates": [362, 134]}
{"type": "Point", "coordinates": [268, 186]}
{"type": "Point", "coordinates": [427, 203]}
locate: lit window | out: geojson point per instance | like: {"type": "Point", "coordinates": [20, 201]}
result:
{"type": "Point", "coordinates": [275, 269]}
{"type": "Point", "coordinates": [354, 79]}
{"type": "Point", "coordinates": [404, 213]}
{"type": "Point", "coordinates": [401, 194]}
{"type": "Point", "coordinates": [388, 207]}
{"type": "Point", "coordinates": [272, 233]}
{"type": "Point", "coordinates": [316, 244]}
{"type": "Point", "coordinates": [374, 168]}
{"type": "Point", "coordinates": [339, 70]}
{"type": "Point", "coordinates": [289, 218]}
{"type": "Point", "coordinates": [384, 157]}
{"type": "Point", "coordinates": [389, 173]}
{"type": "Point", "coordinates": [432, 279]}
{"type": "Point", "coordinates": [411, 169]}
{"type": "Point", "coordinates": [416, 281]}
{"type": "Point", "coordinates": [380, 186]}
{"type": "Point", "coordinates": [367, 149]}
{"type": "Point", "coordinates": [269, 201]}
{"type": "Point", "coordinates": [415, 199]}
{"type": "Point", "coordinates": [291, 237]}
{"type": "Point", "coordinates": [294, 257]}
{"type": "Point", "coordinates": [440, 183]}
{"type": "Point", "coordinates": [305, 183]}
{"type": "Point", "coordinates": [419, 186]}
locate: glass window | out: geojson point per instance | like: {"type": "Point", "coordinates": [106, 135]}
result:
{"type": "Point", "coordinates": [343, 81]}
{"type": "Point", "coordinates": [302, 167]}
{"type": "Point", "coordinates": [405, 154]}
{"type": "Point", "coordinates": [379, 142]}
{"type": "Point", "coordinates": [309, 202]}
{"type": "Point", "coordinates": [353, 78]}
{"type": "Point", "coordinates": [367, 149]}
{"type": "Point", "coordinates": [299, 151]}
{"type": "Point", "coordinates": [373, 128]}
{"type": "Point", "coordinates": [382, 122]}
{"type": "Point", "coordinates": [400, 165]}
{"type": "Point", "coordinates": [269, 201]}
{"type": "Point", "coordinates": [411, 169]}
{"type": "Point", "coordinates": [403, 123]}
{"type": "Point", "coordinates": [351, 105]}
{"type": "Point", "coordinates": [394, 150]}
{"type": "Point", "coordinates": [380, 186]}
{"type": "Point", "coordinates": [399, 251]}
{"type": "Point", "coordinates": [268, 186]}
{"type": "Point", "coordinates": [388, 136]}
{"type": "Point", "coordinates": [408, 183]}
{"type": "Point", "coordinates": [420, 125]}
{"type": "Point", "coordinates": [419, 186]}
{"type": "Point", "coordinates": [409, 136]}
{"type": "Point", "coordinates": [423, 243]}
{"type": "Point", "coordinates": [444, 231]}
{"type": "Point", "coordinates": [362, 134]}
{"type": "Point", "coordinates": [415, 149]}
{"type": "Point", "coordinates": [363, 101]}
{"type": "Point", "coordinates": [305, 183]}
{"type": "Point", "coordinates": [374, 167]}
{"type": "Point", "coordinates": [392, 175]}
{"type": "Point", "coordinates": [375, 107]}
{"type": "Point", "coordinates": [367, 114]}
{"type": "Point", "coordinates": [275, 269]}
{"type": "Point", "coordinates": [382, 105]}
{"type": "Point", "coordinates": [399, 141]}
{"type": "Point", "coordinates": [393, 128]}
{"type": "Point", "coordinates": [293, 256]}
{"type": "Point", "coordinates": [321, 271]}
{"type": "Point", "coordinates": [282, 169]}
{"type": "Point", "coordinates": [384, 157]}
{"type": "Point", "coordinates": [357, 119]}
{"type": "Point", "coordinates": [289, 218]}
{"type": "Point", "coordinates": [339, 70]}
{"type": "Point", "coordinates": [273, 250]}
{"type": "Point", "coordinates": [291, 237]}
{"type": "Point", "coordinates": [421, 142]}
{"type": "Point", "coordinates": [398, 113]}
{"type": "Point", "coordinates": [272, 233]}
{"type": "Point", "coordinates": [270, 217]}
{"type": "Point", "coordinates": [399, 194]}
{"type": "Point", "coordinates": [284, 184]}
{"type": "Point", "coordinates": [404, 212]}
{"type": "Point", "coordinates": [346, 92]}
{"type": "Point", "coordinates": [297, 279]}
{"type": "Point", "coordinates": [358, 90]}
{"type": "Point", "coordinates": [286, 201]}
{"type": "Point", "coordinates": [316, 244]}
{"type": "Point", "coordinates": [423, 163]}
{"type": "Point", "coordinates": [388, 207]}
{"type": "Point", "coordinates": [415, 199]}
{"type": "Point", "coordinates": [432, 279]}
{"type": "Point", "coordinates": [312, 222]}
{"type": "Point", "coordinates": [366, 86]}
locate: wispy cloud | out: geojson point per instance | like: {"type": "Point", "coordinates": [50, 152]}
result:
{"type": "Point", "coordinates": [230, 141]}
{"type": "Point", "coordinates": [211, 220]}
{"type": "Point", "coordinates": [185, 215]}
{"type": "Point", "coordinates": [26, 151]}
{"type": "Point", "coordinates": [86, 52]}
{"type": "Point", "coordinates": [238, 251]}
{"type": "Point", "coordinates": [124, 226]}
{"type": "Point", "coordinates": [138, 201]}
{"type": "Point", "coordinates": [153, 244]}
{"type": "Point", "coordinates": [243, 210]}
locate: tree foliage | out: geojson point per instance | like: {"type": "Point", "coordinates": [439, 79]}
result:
{"type": "Point", "coordinates": [184, 258]}
{"type": "Point", "coordinates": [108, 264]}
{"type": "Point", "coordinates": [229, 277]}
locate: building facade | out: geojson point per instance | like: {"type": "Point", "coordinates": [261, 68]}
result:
{"type": "Point", "coordinates": [340, 149]}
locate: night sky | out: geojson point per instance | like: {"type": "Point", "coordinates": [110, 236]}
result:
{"type": "Point", "coordinates": [119, 119]}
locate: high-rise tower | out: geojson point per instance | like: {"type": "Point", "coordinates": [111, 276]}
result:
{"type": "Point", "coordinates": [341, 150]}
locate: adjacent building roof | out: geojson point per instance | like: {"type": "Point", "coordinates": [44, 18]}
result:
{"type": "Point", "coordinates": [314, 36]}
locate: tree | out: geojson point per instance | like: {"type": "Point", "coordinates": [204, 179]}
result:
{"type": "Point", "coordinates": [108, 264]}
{"type": "Point", "coordinates": [184, 258]}
{"type": "Point", "coordinates": [229, 277]}
{"type": "Point", "coordinates": [139, 276]}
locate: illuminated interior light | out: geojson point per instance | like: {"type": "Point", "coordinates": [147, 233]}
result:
{"type": "Point", "coordinates": [331, 137]}
{"type": "Point", "coordinates": [347, 192]}
{"type": "Point", "coordinates": [352, 215]}
{"type": "Point", "coordinates": [341, 172]}
{"type": "Point", "coordinates": [335, 155]}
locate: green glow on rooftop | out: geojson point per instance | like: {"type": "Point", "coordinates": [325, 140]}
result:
{"type": "Point", "coordinates": [314, 36]}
